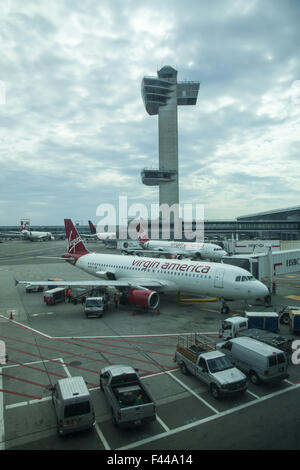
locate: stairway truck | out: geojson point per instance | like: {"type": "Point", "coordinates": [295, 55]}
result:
{"type": "Point", "coordinates": [201, 359]}
{"type": "Point", "coordinates": [130, 402]}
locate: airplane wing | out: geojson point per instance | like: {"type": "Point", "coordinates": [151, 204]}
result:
{"type": "Point", "coordinates": [159, 252]}
{"type": "Point", "coordinates": [133, 283]}
{"type": "Point", "coordinates": [11, 234]}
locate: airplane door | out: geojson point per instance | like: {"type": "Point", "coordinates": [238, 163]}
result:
{"type": "Point", "coordinates": [219, 277]}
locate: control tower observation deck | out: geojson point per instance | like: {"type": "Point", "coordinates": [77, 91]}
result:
{"type": "Point", "coordinates": [161, 95]}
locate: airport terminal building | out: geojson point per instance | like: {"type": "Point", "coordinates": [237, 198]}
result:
{"type": "Point", "coordinates": [281, 224]}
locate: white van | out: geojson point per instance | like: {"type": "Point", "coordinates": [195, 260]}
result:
{"type": "Point", "coordinates": [73, 405]}
{"type": "Point", "coordinates": [262, 362]}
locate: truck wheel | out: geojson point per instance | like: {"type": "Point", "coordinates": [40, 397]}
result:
{"type": "Point", "coordinates": [254, 378]}
{"type": "Point", "coordinates": [214, 391]}
{"type": "Point", "coordinates": [183, 368]}
{"type": "Point", "coordinates": [284, 319]}
{"type": "Point", "coordinates": [225, 310]}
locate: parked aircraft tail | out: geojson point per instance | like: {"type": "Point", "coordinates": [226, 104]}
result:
{"type": "Point", "coordinates": [143, 238]}
{"type": "Point", "coordinates": [76, 246]}
{"type": "Point", "coordinates": [92, 227]}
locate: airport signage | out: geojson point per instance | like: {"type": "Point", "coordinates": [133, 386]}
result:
{"type": "Point", "coordinates": [293, 262]}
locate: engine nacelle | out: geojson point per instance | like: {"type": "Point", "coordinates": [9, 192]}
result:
{"type": "Point", "coordinates": [143, 298]}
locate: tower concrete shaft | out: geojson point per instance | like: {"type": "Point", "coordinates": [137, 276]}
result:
{"type": "Point", "coordinates": [162, 96]}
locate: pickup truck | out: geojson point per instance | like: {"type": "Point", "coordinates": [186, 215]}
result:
{"type": "Point", "coordinates": [195, 356]}
{"type": "Point", "coordinates": [130, 402]}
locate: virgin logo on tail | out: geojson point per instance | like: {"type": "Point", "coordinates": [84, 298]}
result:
{"type": "Point", "coordinates": [75, 243]}
{"type": "Point", "coordinates": [72, 243]}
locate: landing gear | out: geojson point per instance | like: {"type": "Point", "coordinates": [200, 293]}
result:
{"type": "Point", "coordinates": [268, 300]}
{"type": "Point", "coordinates": [225, 309]}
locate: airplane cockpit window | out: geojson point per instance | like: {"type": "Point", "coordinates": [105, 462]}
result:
{"type": "Point", "coordinates": [244, 278]}
{"type": "Point", "coordinates": [238, 278]}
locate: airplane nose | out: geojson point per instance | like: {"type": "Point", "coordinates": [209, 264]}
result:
{"type": "Point", "coordinates": [262, 290]}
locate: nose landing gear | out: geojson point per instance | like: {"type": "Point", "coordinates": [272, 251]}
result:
{"type": "Point", "coordinates": [225, 309]}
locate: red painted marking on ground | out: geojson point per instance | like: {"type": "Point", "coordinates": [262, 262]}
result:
{"type": "Point", "coordinates": [23, 380]}
{"type": "Point", "coordinates": [88, 357]}
{"type": "Point", "coordinates": [20, 394]}
{"type": "Point", "coordinates": [38, 369]}
{"type": "Point", "coordinates": [126, 347]}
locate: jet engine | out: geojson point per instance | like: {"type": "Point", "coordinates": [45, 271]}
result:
{"type": "Point", "coordinates": [142, 298]}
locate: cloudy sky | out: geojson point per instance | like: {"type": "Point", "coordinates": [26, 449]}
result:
{"type": "Point", "coordinates": [74, 133]}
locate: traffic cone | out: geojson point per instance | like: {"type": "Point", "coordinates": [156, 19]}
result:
{"type": "Point", "coordinates": [158, 312]}
{"type": "Point", "coordinates": [11, 317]}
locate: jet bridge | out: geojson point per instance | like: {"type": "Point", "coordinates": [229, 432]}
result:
{"type": "Point", "coordinates": [265, 266]}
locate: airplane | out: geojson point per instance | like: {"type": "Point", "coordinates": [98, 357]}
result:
{"type": "Point", "coordinates": [178, 250]}
{"type": "Point", "coordinates": [141, 279]}
{"type": "Point", "coordinates": [102, 236]}
{"type": "Point", "coordinates": [30, 234]}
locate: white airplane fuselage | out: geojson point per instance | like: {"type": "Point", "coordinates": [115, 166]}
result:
{"type": "Point", "coordinates": [34, 235]}
{"type": "Point", "coordinates": [203, 250]}
{"type": "Point", "coordinates": [200, 278]}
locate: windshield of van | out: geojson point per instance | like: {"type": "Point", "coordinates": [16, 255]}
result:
{"type": "Point", "coordinates": [218, 364]}
{"type": "Point", "coordinates": [76, 409]}
{"type": "Point", "coordinates": [226, 325]}
{"type": "Point", "coordinates": [93, 303]}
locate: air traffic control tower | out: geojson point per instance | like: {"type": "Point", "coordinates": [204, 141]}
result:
{"type": "Point", "coordinates": [161, 96]}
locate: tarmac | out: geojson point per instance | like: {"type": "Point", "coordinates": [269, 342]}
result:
{"type": "Point", "coordinates": [45, 343]}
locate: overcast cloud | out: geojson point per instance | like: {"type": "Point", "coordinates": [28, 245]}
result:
{"type": "Point", "coordinates": [73, 128]}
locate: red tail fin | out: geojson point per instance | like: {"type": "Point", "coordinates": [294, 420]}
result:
{"type": "Point", "coordinates": [23, 225]}
{"type": "Point", "coordinates": [92, 227]}
{"type": "Point", "coordinates": [143, 238]}
{"type": "Point", "coordinates": [75, 243]}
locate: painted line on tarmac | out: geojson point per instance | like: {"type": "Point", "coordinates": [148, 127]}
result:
{"type": "Point", "coordinates": [2, 433]}
{"type": "Point", "coordinates": [26, 403]}
{"type": "Point", "coordinates": [135, 336]}
{"type": "Point", "coordinates": [162, 423]}
{"type": "Point", "coordinates": [253, 394]}
{"type": "Point", "coordinates": [26, 327]}
{"type": "Point", "coordinates": [186, 427]}
{"type": "Point", "coordinates": [102, 438]}
{"type": "Point", "coordinates": [193, 393]}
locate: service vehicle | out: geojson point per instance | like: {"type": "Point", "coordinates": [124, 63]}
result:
{"type": "Point", "coordinates": [262, 362]}
{"type": "Point", "coordinates": [263, 320]}
{"type": "Point", "coordinates": [200, 358]}
{"type": "Point", "coordinates": [294, 320]}
{"type": "Point", "coordinates": [130, 402]}
{"type": "Point", "coordinates": [94, 306]}
{"type": "Point", "coordinates": [73, 405]}
{"type": "Point", "coordinates": [29, 289]}
{"type": "Point", "coordinates": [284, 317]}
{"type": "Point", "coordinates": [239, 326]}
{"type": "Point", "coordinates": [53, 296]}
